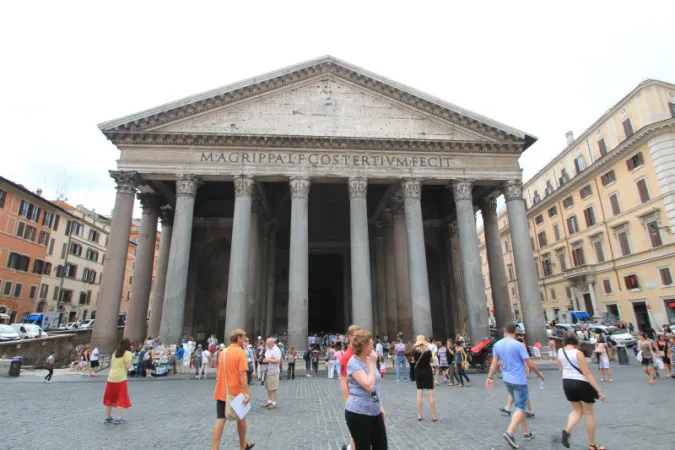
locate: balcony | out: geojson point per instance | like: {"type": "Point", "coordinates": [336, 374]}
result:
{"type": "Point", "coordinates": [579, 271]}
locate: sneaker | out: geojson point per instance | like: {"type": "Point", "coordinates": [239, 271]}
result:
{"type": "Point", "coordinates": [120, 421]}
{"type": "Point", "coordinates": [510, 439]}
{"type": "Point", "coordinates": [108, 420]}
{"type": "Point", "coordinates": [505, 411]}
{"type": "Point", "coordinates": [528, 436]}
{"type": "Point", "coordinates": [529, 415]}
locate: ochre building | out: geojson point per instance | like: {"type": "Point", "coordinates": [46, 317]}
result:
{"type": "Point", "coordinates": [309, 198]}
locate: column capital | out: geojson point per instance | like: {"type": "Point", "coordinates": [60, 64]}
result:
{"type": "Point", "coordinates": [358, 187]}
{"type": "Point", "coordinates": [462, 190]}
{"type": "Point", "coordinates": [299, 187]}
{"type": "Point", "coordinates": [166, 215]}
{"type": "Point", "coordinates": [513, 190]}
{"type": "Point", "coordinates": [126, 181]}
{"type": "Point", "coordinates": [243, 186]}
{"type": "Point", "coordinates": [149, 203]}
{"type": "Point", "coordinates": [187, 185]}
{"type": "Point", "coordinates": [411, 188]}
{"type": "Point", "coordinates": [488, 207]}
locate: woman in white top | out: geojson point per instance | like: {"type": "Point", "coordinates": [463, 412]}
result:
{"type": "Point", "coordinates": [603, 360]}
{"type": "Point", "coordinates": [580, 388]}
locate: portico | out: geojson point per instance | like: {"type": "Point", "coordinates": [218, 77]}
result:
{"type": "Point", "coordinates": [325, 169]}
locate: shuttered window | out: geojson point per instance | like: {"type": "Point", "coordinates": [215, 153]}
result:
{"type": "Point", "coordinates": [603, 147]}
{"type": "Point", "coordinates": [642, 190]}
{"type": "Point", "coordinates": [623, 243]}
{"type": "Point", "coordinates": [666, 276]}
{"type": "Point", "coordinates": [627, 128]}
{"type": "Point", "coordinates": [614, 202]}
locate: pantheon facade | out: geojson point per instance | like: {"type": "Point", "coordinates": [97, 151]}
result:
{"type": "Point", "coordinates": [310, 198]}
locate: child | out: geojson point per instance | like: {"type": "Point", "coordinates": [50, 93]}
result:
{"type": "Point", "coordinates": [382, 367]}
{"type": "Point", "coordinates": [536, 349]}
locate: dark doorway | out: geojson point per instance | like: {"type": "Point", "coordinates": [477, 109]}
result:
{"type": "Point", "coordinates": [589, 304]}
{"type": "Point", "coordinates": [326, 300]}
{"type": "Point", "coordinates": [642, 318]}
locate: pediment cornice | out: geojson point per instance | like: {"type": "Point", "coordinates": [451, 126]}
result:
{"type": "Point", "coordinates": [139, 138]}
{"type": "Point", "coordinates": [199, 104]}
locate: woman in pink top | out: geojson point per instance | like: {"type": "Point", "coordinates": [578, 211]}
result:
{"type": "Point", "coordinates": [603, 360]}
{"type": "Point", "coordinates": [338, 357]}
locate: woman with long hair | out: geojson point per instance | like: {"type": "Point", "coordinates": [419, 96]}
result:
{"type": "Point", "coordinates": [460, 357]}
{"type": "Point", "coordinates": [424, 376]}
{"type": "Point", "coordinates": [116, 392]}
{"type": "Point", "coordinates": [648, 350]}
{"type": "Point", "coordinates": [603, 360]}
{"type": "Point", "coordinates": [662, 348]}
{"type": "Point", "coordinates": [364, 412]}
{"type": "Point", "coordinates": [580, 388]}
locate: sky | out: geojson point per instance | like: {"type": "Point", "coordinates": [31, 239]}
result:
{"type": "Point", "coordinates": [541, 67]}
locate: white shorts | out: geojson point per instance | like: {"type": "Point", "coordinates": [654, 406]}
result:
{"type": "Point", "coordinates": [604, 361]}
{"type": "Point", "coordinates": [537, 352]}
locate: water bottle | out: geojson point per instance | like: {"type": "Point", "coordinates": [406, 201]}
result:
{"type": "Point", "coordinates": [541, 384]}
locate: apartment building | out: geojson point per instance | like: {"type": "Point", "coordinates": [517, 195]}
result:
{"type": "Point", "coordinates": [602, 217]}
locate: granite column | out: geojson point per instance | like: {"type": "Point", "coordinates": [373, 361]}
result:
{"type": "Point", "coordinates": [157, 302]}
{"type": "Point", "coordinates": [360, 254]}
{"type": "Point", "coordinates": [402, 273]}
{"type": "Point", "coordinates": [298, 271]}
{"type": "Point", "coordinates": [253, 308]}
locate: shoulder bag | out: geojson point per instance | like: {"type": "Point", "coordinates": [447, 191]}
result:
{"type": "Point", "coordinates": [229, 412]}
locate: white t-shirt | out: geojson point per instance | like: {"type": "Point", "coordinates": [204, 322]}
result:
{"type": "Point", "coordinates": [205, 356]}
{"type": "Point", "coordinates": [95, 355]}
{"type": "Point", "coordinates": [570, 372]}
{"type": "Point", "coordinates": [273, 353]}
{"type": "Point", "coordinates": [434, 351]}
{"type": "Point", "coordinates": [379, 350]}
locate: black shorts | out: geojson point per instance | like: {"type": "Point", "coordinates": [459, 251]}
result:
{"type": "Point", "coordinates": [93, 364]}
{"type": "Point", "coordinates": [579, 391]}
{"type": "Point", "coordinates": [220, 409]}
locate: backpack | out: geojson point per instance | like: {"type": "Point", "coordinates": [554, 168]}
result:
{"type": "Point", "coordinates": [306, 355]}
{"type": "Point", "coordinates": [315, 357]}
{"type": "Point", "coordinates": [146, 357]}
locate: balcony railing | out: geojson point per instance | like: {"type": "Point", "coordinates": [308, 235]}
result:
{"type": "Point", "coordinates": [579, 271]}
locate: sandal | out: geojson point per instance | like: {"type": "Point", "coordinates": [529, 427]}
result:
{"type": "Point", "coordinates": [596, 447]}
{"type": "Point", "coordinates": [250, 445]}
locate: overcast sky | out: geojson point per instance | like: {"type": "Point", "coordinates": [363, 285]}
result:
{"type": "Point", "coordinates": [530, 65]}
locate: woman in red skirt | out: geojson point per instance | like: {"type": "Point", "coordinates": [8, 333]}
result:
{"type": "Point", "coordinates": [116, 393]}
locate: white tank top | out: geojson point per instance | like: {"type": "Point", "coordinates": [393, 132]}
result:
{"type": "Point", "coordinates": [570, 372]}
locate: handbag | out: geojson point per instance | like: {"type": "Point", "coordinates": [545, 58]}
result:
{"type": "Point", "coordinates": [597, 396]}
{"type": "Point", "coordinates": [639, 356]}
{"type": "Point", "coordinates": [229, 412]}
{"type": "Point", "coordinates": [658, 362]}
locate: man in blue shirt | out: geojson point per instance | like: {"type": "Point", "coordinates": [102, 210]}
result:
{"type": "Point", "coordinates": [513, 356]}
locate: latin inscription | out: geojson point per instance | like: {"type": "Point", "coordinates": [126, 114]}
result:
{"type": "Point", "coordinates": [325, 159]}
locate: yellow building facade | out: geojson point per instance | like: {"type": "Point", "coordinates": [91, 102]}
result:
{"type": "Point", "coordinates": [601, 216]}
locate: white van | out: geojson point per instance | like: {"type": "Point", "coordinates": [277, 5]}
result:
{"type": "Point", "coordinates": [29, 330]}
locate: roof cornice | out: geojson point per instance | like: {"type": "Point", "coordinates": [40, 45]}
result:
{"type": "Point", "coordinates": [601, 164]}
{"type": "Point", "coordinates": [326, 65]}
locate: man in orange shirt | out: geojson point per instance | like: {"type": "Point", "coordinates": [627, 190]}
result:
{"type": "Point", "coordinates": [344, 385]}
{"type": "Point", "coordinates": [233, 369]}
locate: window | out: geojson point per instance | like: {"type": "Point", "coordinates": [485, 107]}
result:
{"type": "Point", "coordinates": [75, 228]}
{"type": "Point", "coordinates": [75, 249]}
{"type": "Point", "coordinates": [654, 234]}
{"type": "Point", "coordinates": [556, 231]}
{"type": "Point", "coordinates": [579, 164]}
{"type": "Point", "coordinates": [56, 293]}
{"type": "Point", "coordinates": [539, 219]}
{"type": "Point", "coordinates": [131, 279]}
{"type": "Point", "coordinates": [602, 147]}
{"type": "Point", "coordinates": [88, 301]}
{"type": "Point", "coordinates": [568, 202]}
{"type": "Point", "coordinates": [3, 196]}
{"type": "Point", "coordinates": [66, 295]}
{"type": "Point", "coordinates": [599, 251]}
{"type": "Point", "coordinates": [672, 114]}
{"type": "Point", "coordinates": [627, 127]}
{"type": "Point", "coordinates": [18, 262]}
{"type": "Point", "coordinates": [568, 292]}
{"type": "Point", "coordinates": [44, 290]}
{"type": "Point", "coordinates": [622, 237]}
{"type": "Point", "coordinates": [25, 231]}
{"type": "Point", "coordinates": [8, 289]}
{"type": "Point", "coordinates": [643, 190]}
{"type": "Point", "coordinates": [506, 245]}
{"type": "Point", "coordinates": [631, 282]}
{"type": "Point", "coordinates": [553, 295]}
{"type": "Point", "coordinates": [32, 292]}
{"type": "Point", "coordinates": [607, 286]}
{"type": "Point", "coordinates": [635, 161]}
{"type": "Point", "coordinates": [70, 270]}
{"type": "Point", "coordinates": [51, 246]}
{"type": "Point", "coordinates": [578, 256]}
{"type": "Point", "coordinates": [513, 291]}
{"type": "Point", "coordinates": [666, 276]}
{"type": "Point", "coordinates": [18, 287]}
{"type": "Point", "coordinates": [585, 191]}
{"type": "Point", "coordinates": [20, 229]}
{"type": "Point", "coordinates": [47, 219]}
{"type": "Point", "coordinates": [91, 255]}
{"type": "Point", "coordinates": [546, 265]}
{"type": "Point", "coordinates": [572, 225]}
{"type": "Point", "coordinates": [563, 177]}
{"type": "Point", "coordinates": [38, 266]}
{"type": "Point", "coordinates": [542, 239]}
{"type": "Point", "coordinates": [608, 178]}
{"type": "Point", "coordinates": [552, 211]}
{"type": "Point", "coordinates": [56, 223]}
{"type": "Point", "coordinates": [89, 275]}
{"type": "Point", "coordinates": [47, 270]}
{"type": "Point", "coordinates": [509, 269]}
{"type": "Point", "coordinates": [29, 211]}
{"type": "Point", "coordinates": [614, 203]}
{"type": "Point", "coordinates": [562, 259]}
{"type": "Point", "coordinates": [589, 216]}
{"type": "Point", "coordinates": [549, 188]}
{"type": "Point", "coordinates": [83, 298]}
{"type": "Point", "coordinates": [44, 238]}
{"type": "Point", "coordinates": [94, 235]}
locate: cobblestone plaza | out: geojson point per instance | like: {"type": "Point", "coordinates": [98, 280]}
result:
{"type": "Point", "coordinates": [180, 413]}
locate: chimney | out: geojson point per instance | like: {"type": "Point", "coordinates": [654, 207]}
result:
{"type": "Point", "coordinates": [39, 192]}
{"type": "Point", "coordinates": [570, 137]}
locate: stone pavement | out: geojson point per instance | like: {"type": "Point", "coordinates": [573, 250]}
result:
{"type": "Point", "coordinates": [178, 413]}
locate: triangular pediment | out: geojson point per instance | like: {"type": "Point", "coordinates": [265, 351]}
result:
{"type": "Point", "coordinates": [325, 97]}
{"type": "Point", "coordinates": [326, 106]}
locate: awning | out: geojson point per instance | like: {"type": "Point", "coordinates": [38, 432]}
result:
{"type": "Point", "coordinates": [581, 315]}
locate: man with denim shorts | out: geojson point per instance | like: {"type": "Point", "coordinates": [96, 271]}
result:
{"type": "Point", "coordinates": [513, 356]}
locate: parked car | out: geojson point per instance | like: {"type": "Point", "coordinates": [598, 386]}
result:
{"type": "Point", "coordinates": [88, 323]}
{"type": "Point", "coordinates": [29, 331]}
{"type": "Point", "coordinates": [69, 326]}
{"type": "Point", "coordinates": [618, 335]}
{"type": "Point", "coordinates": [7, 333]}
